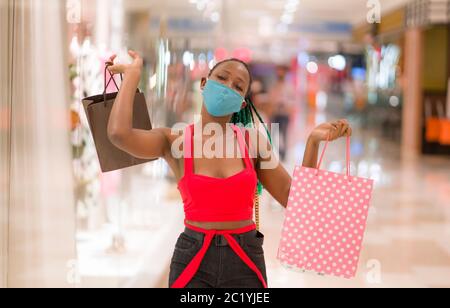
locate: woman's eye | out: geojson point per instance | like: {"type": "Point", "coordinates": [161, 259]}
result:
{"type": "Point", "coordinates": [239, 89]}
{"type": "Point", "coordinates": [221, 77]}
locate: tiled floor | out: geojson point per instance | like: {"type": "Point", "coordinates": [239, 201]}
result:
{"type": "Point", "coordinates": [407, 243]}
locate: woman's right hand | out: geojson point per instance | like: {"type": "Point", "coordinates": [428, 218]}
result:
{"type": "Point", "coordinates": [135, 67]}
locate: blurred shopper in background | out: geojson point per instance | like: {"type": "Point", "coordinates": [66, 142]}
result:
{"type": "Point", "coordinates": [282, 98]}
{"type": "Point", "coordinates": [259, 99]}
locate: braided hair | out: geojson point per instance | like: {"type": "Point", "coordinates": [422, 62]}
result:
{"type": "Point", "coordinates": [246, 115]}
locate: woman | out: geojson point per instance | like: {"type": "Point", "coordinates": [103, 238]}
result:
{"type": "Point", "coordinates": [220, 246]}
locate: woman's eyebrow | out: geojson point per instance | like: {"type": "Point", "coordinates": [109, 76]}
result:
{"type": "Point", "coordinates": [237, 77]}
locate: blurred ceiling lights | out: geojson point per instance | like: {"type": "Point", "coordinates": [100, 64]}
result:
{"type": "Point", "coordinates": [312, 67]}
{"type": "Point", "coordinates": [290, 9]}
{"type": "Point", "coordinates": [337, 62]}
{"type": "Point", "coordinates": [209, 8]}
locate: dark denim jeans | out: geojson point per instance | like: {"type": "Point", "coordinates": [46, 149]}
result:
{"type": "Point", "coordinates": [221, 266]}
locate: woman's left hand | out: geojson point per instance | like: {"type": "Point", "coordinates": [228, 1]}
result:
{"type": "Point", "coordinates": [335, 130]}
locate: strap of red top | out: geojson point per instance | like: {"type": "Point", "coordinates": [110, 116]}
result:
{"type": "Point", "coordinates": [243, 147]}
{"type": "Point", "coordinates": [189, 151]}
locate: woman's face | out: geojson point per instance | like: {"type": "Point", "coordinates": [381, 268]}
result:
{"type": "Point", "coordinates": [233, 75]}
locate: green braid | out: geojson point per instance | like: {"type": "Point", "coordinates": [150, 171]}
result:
{"type": "Point", "coordinates": [245, 117]}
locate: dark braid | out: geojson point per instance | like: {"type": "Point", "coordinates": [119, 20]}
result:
{"type": "Point", "coordinates": [246, 115]}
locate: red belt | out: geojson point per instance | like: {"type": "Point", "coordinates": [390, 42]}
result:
{"type": "Point", "coordinates": [194, 265]}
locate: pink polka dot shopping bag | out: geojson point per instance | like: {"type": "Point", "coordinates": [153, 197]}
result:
{"type": "Point", "coordinates": [325, 220]}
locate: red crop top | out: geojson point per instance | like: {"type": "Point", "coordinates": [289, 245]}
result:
{"type": "Point", "coordinates": [210, 199]}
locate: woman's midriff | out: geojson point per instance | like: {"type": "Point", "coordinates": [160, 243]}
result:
{"type": "Point", "coordinates": [226, 225]}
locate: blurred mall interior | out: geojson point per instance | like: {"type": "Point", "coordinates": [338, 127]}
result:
{"type": "Point", "coordinates": [383, 65]}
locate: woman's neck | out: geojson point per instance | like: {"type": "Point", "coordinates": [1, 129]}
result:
{"type": "Point", "coordinates": [206, 119]}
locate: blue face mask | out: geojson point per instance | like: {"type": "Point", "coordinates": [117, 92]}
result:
{"type": "Point", "coordinates": [220, 100]}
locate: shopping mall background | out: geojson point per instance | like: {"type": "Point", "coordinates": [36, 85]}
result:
{"type": "Point", "coordinates": [64, 223]}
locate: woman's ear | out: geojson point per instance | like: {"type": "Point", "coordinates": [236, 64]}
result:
{"type": "Point", "coordinates": [203, 83]}
{"type": "Point", "coordinates": [244, 104]}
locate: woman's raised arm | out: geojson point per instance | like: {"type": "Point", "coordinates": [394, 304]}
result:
{"type": "Point", "coordinates": [145, 144]}
{"type": "Point", "coordinates": [271, 173]}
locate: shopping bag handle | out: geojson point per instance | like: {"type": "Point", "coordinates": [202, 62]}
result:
{"type": "Point", "coordinates": [111, 78]}
{"type": "Point", "coordinates": [347, 155]}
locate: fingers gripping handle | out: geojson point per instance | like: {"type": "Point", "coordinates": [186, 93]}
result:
{"type": "Point", "coordinates": [347, 155]}
{"type": "Point", "coordinates": [111, 78]}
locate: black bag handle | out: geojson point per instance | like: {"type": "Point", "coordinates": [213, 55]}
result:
{"type": "Point", "coordinates": [111, 78]}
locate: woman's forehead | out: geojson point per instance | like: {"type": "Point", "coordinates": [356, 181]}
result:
{"type": "Point", "coordinates": [236, 69]}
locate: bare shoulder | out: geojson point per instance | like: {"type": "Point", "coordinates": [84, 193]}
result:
{"type": "Point", "coordinates": [258, 135]}
{"type": "Point", "coordinates": [258, 141]}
